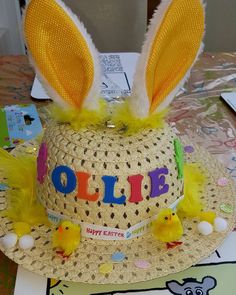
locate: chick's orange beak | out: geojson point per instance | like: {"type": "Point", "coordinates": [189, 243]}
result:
{"type": "Point", "coordinates": [169, 221]}
{"type": "Point", "coordinates": [60, 229]}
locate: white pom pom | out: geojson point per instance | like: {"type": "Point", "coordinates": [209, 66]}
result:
{"type": "Point", "coordinates": [205, 228]}
{"type": "Point", "coordinates": [9, 240]}
{"type": "Point", "coordinates": [26, 242]}
{"type": "Point", "coordinates": [220, 224]}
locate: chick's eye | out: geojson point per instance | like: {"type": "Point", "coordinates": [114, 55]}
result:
{"type": "Point", "coordinates": [173, 214]}
{"type": "Point", "coordinates": [199, 292]}
{"type": "Point", "coordinates": [166, 218]}
{"type": "Point", "coordinates": [67, 228]}
{"type": "Point", "coordinates": [56, 228]}
{"type": "Point", "coordinates": [189, 292]}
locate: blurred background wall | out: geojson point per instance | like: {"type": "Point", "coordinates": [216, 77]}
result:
{"type": "Point", "coordinates": [119, 25]}
{"type": "Point", "coordinates": [115, 25]}
{"type": "Point", "coordinates": [221, 25]}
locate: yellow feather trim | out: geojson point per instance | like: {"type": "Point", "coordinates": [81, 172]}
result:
{"type": "Point", "coordinates": [124, 119]}
{"type": "Point", "coordinates": [208, 216]}
{"type": "Point", "coordinates": [119, 114]}
{"type": "Point", "coordinates": [81, 119]}
{"type": "Point", "coordinates": [194, 181]}
{"type": "Point", "coordinates": [20, 176]}
{"type": "Point", "coordinates": [21, 228]}
{"type": "Point", "coordinates": [19, 171]}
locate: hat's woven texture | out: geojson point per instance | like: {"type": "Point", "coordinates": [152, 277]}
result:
{"type": "Point", "coordinates": [107, 152]}
{"type": "Point", "coordinates": [83, 265]}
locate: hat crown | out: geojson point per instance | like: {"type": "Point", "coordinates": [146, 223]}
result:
{"type": "Point", "coordinates": [106, 156]}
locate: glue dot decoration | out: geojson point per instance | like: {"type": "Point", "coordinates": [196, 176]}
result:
{"type": "Point", "coordinates": [220, 224]}
{"type": "Point", "coordinates": [118, 256]}
{"type": "Point", "coordinates": [222, 181]}
{"type": "Point", "coordinates": [189, 149]}
{"type": "Point", "coordinates": [106, 268]}
{"type": "Point", "coordinates": [226, 208]}
{"type": "Point", "coordinates": [205, 228]}
{"type": "Point", "coordinates": [143, 264]}
{"type": "Point", "coordinates": [31, 150]}
{"type": "Point", "coordinates": [26, 242]}
{"type": "Point", "coordinates": [9, 240]}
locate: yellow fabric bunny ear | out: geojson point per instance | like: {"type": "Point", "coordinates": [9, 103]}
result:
{"type": "Point", "coordinates": [63, 54]}
{"type": "Point", "coordinates": [173, 42]}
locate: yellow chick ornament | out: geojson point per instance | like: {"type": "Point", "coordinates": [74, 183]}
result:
{"type": "Point", "coordinates": [167, 228]}
{"type": "Point", "coordinates": [66, 238]}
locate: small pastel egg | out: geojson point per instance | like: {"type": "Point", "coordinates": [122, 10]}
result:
{"type": "Point", "coordinates": [118, 256]}
{"type": "Point", "coordinates": [105, 268]}
{"type": "Point", "coordinates": [205, 228]}
{"type": "Point", "coordinates": [9, 240]}
{"type": "Point", "coordinates": [143, 264]}
{"type": "Point", "coordinates": [26, 242]}
{"type": "Point", "coordinates": [220, 224]}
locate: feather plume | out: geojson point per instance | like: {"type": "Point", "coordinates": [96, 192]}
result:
{"type": "Point", "coordinates": [194, 180]}
{"type": "Point", "coordinates": [20, 176]}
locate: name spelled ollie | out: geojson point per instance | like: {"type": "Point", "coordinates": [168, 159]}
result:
{"type": "Point", "coordinates": [80, 180]}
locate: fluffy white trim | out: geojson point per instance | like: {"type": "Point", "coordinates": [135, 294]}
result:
{"type": "Point", "coordinates": [139, 101]}
{"type": "Point", "coordinates": [91, 101]}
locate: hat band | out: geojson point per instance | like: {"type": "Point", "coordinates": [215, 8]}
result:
{"type": "Point", "coordinates": [100, 232]}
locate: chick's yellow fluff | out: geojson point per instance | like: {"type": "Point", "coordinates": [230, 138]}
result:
{"type": "Point", "coordinates": [167, 227]}
{"type": "Point", "coordinates": [66, 237]}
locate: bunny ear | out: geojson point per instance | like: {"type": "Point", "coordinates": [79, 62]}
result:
{"type": "Point", "coordinates": [173, 42]}
{"type": "Point", "coordinates": [63, 54]}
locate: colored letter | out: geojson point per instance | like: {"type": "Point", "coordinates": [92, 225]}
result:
{"type": "Point", "coordinates": [70, 183]}
{"type": "Point", "coordinates": [158, 185]}
{"type": "Point", "coordinates": [109, 182]}
{"type": "Point", "coordinates": [135, 188]}
{"type": "Point", "coordinates": [83, 178]}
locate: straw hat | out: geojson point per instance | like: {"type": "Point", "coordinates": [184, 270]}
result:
{"type": "Point", "coordinates": [145, 257]}
{"type": "Point", "coordinates": [129, 173]}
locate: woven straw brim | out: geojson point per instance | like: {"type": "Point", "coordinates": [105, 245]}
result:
{"type": "Point", "coordinates": [83, 265]}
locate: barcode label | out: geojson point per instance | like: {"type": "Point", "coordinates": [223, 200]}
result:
{"type": "Point", "coordinates": [111, 63]}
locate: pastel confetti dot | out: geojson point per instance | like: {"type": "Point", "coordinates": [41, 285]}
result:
{"type": "Point", "coordinates": [105, 268]}
{"type": "Point", "coordinates": [189, 149]}
{"type": "Point", "coordinates": [143, 264]}
{"type": "Point", "coordinates": [222, 181]}
{"type": "Point", "coordinates": [118, 256]}
{"type": "Point", "coordinates": [227, 208]}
